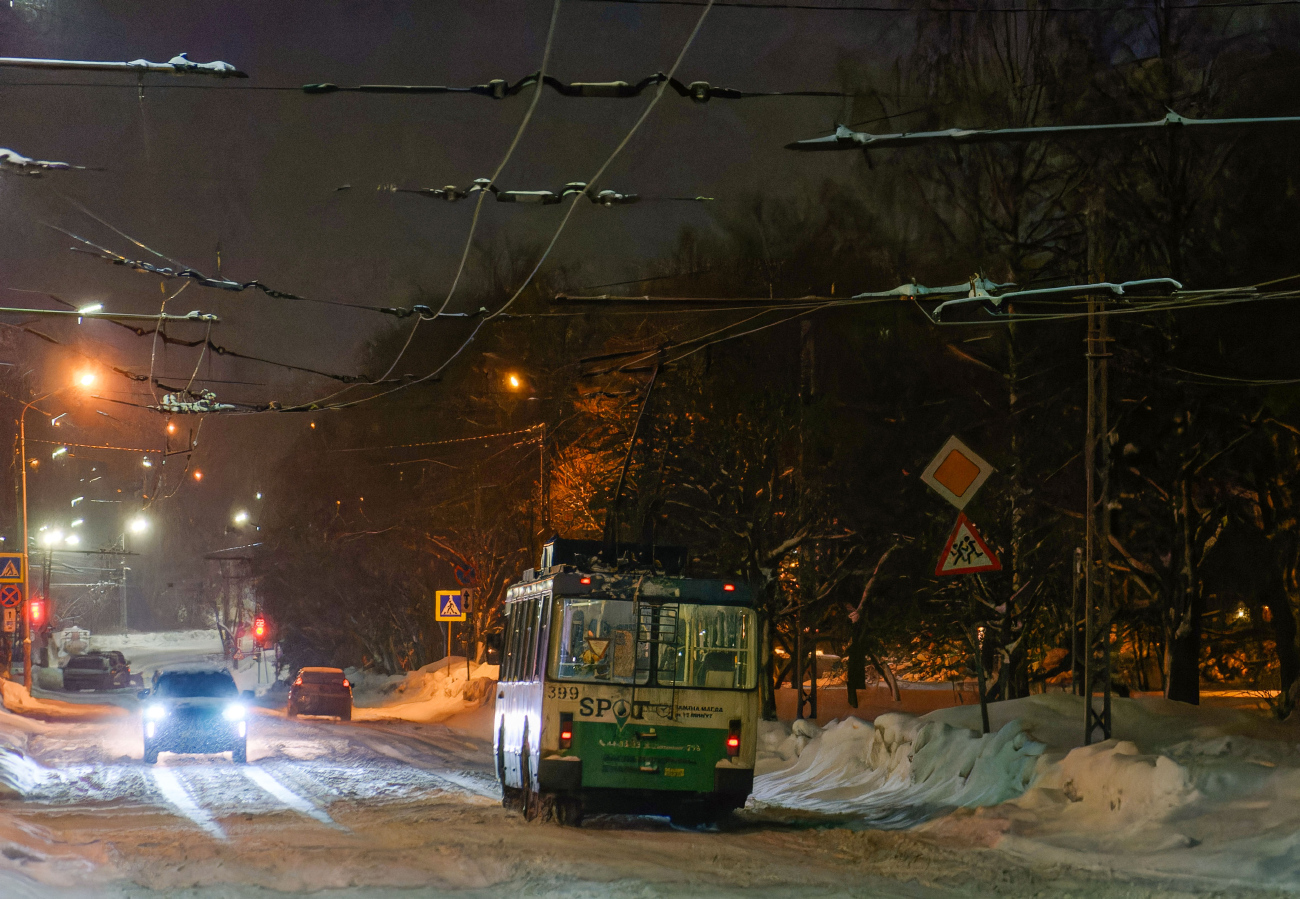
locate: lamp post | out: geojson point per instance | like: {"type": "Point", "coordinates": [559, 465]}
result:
{"type": "Point", "coordinates": [84, 380]}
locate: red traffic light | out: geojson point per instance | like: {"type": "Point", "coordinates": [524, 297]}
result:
{"type": "Point", "coordinates": [259, 628]}
{"type": "Point", "coordinates": [37, 612]}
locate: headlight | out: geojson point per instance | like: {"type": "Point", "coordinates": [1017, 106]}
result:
{"type": "Point", "coordinates": [155, 712]}
{"type": "Point", "coordinates": [234, 713]}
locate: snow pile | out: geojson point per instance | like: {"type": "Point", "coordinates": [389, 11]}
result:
{"type": "Point", "coordinates": [897, 772]}
{"type": "Point", "coordinates": [436, 692]}
{"type": "Point", "coordinates": [203, 640]}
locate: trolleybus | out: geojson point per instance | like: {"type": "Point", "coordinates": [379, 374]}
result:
{"type": "Point", "coordinates": [626, 691]}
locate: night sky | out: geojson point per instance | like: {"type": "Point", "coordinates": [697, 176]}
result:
{"type": "Point", "coordinates": [200, 163]}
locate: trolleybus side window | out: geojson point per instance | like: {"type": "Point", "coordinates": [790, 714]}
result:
{"type": "Point", "coordinates": [512, 625]}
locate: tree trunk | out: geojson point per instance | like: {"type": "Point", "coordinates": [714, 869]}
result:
{"type": "Point", "coordinates": [1284, 634]}
{"type": "Point", "coordinates": [1183, 624]}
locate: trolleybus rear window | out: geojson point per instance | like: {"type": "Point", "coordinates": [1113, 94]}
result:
{"type": "Point", "coordinates": [681, 644]}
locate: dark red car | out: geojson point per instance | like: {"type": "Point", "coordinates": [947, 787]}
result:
{"type": "Point", "coordinates": [320, 691]}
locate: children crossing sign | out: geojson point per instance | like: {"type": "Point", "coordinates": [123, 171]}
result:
{"type": "Point", "coordinates": [451, 605]}
{"type": "Point", "coordinates": [966, 552]}
{"type": "Point", "coordinates": [11, 568]}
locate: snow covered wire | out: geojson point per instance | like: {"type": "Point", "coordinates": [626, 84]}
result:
{"type": "Point", "coordinates": [177, 65]}
{"type": "Point", "coordinates": [499, 88]}
{"type": "Point", "coordinates": [848, 139]}
{"type": "Point", "coordinates": [607, 198]}
{"type": "Point", "coordinates": [13, 161]}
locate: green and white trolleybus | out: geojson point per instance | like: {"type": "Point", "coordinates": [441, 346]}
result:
{"type": "Point", "coordinates": [626, 691]}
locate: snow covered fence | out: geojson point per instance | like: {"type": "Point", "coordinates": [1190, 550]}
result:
{"type": "Point", "coordinates": [897, 772]}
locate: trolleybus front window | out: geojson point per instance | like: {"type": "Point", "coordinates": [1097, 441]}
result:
{"type": "Point", "coordinates": [597, 642]}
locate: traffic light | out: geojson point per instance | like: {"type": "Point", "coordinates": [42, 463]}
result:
{"type": "Point", "coordinates": [259, 630]}
{"type": "Point", "coordinates": [37, 612]}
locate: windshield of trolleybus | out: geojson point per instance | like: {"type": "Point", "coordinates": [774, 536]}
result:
{"type": "Point", "coordinates": [680, 644]}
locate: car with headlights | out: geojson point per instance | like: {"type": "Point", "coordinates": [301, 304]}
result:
{"type": "Point", "coordinates": [320, 691]}
{"type": "Point", "coordinates": [96, 671]}
{"type": "Point", "coordinates": [195, 711]}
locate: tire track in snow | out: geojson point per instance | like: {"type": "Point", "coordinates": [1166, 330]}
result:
{"type": "Point", "coordinates": [394, 747]}
{"type": "Point", "coordinates": [176, 794]}
{"type": "Point", "coordinates": [300, 804]}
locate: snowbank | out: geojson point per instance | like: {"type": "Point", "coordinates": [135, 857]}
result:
{"type": "Point", "coordinates": [434, 693]}
{"type": "Point", "coordinates": [1203, 795]}
{"type": "Point", "coordinates": [176, 641]}
{"type": "Point", "coordinates": [896, 772]}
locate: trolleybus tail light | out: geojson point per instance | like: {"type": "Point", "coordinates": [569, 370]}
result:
{"type": "Point", "coordinates": [733, 738]}
{"type": "Point", "coordinates": [585, 580]}
{"type": "Point", "coordinates": [729, 588]}
{"type": "Point", "coordinates": [566, 730]}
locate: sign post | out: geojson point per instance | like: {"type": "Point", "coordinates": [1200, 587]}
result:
{"type": "Point", "coordinates": [13, 583]}
{"type": "Point", "coordinates": [450, 607]}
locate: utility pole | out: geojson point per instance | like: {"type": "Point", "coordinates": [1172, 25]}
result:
{"type": "Point", "coordinates": [1096, 451]}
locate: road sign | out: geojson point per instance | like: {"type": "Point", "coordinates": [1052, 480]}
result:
{"type": "Point", "coordinates": [451, 605]}
{"type": "Point", "coordinates": [11, 596]}
{"type": "Point", "coordinates": [957, 473]}
{"type": "Point", "coordinates": [11, 620]}
{"type": "Point", "coordinates": [966, 552]}
{"type": "Point", "coordinates": [11, 568]}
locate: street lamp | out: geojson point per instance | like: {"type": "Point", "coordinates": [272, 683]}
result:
{"type": "Point", "coordinates": [84, 380]}
{"type": "Point", "coordinates": [241, 517]}
{"type": "Point", "coordinates": [139, 524]}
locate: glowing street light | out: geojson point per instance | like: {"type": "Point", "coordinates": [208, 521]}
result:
{"type": "Point", "coordinates": [85, 380]}
{"type": "Point", "coordinates": [52, 537]}
{"type": "Point", "coordinates": [514, 382]}
{"type": "Point", "coordinates": [73, 540]}
{"type": "Point", "coordinates": [241, 517]}
{"type": "Point", "coordinates": [78, 522]}
{"type": "Point", "coordinates": [58, 452]}
{"type": "Point", "coordinates": [138, 525]}
{"type": "Point", "coordinates": [198, 475]}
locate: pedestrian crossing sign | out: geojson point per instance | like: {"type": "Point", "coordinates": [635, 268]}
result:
{"type": "Point", "coordinates": [451, 605]}
{"type": "Point", "coordinates": [11, 568]}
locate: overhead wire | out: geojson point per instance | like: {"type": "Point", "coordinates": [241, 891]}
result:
{"type": "Point", "coordinates": [478, 206]}
{"type": "Point", "coordinates": [554, 239]}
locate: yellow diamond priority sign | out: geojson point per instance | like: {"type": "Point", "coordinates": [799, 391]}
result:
{"type": "Point", "coordinates": [957, 473]}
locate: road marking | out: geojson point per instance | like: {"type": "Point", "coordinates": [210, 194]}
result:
{"type": "Point", "coordinates": [175, 793]}
{"type": "Point", "coordinates": [267, 781]}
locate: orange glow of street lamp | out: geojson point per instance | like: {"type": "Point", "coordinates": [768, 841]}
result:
{"type": "Point", "coordinates": [514, 381]}
{"type": "Point", "coordinates": [198, 475]}
{"type": "Point", "coordinates": [86, 379]}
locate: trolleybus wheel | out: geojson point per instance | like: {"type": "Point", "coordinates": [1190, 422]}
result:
{"type": "Point", "coordinates": [568, 811]}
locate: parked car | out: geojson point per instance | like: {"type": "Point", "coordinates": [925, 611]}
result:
{"type": "Point", "coordinates": [96, 671]}
{"type": "Point", "coordinates": [196, 711]}
{"type": "Point", "coordinates": [320, 691]}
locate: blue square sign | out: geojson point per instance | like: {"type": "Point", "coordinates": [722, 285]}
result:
{"type": "Point", "coordinates": [451, 605]}
{"type": "Point", "coordinates": [11, 568]}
